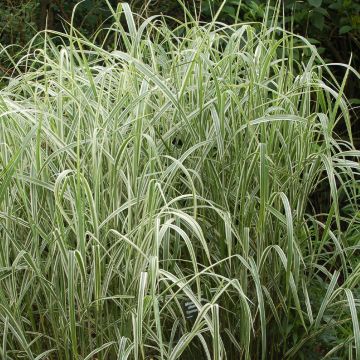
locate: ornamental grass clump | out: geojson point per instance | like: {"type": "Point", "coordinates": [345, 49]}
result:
{"type": "Point", "coordinates": [159, 197]}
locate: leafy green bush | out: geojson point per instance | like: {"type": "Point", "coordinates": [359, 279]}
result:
{"type": "Point", "coordinates": [156, 198]}
{"type": "Point", "coordinates": [20, 21]}
{"type": "Point", "coordinates": [307, 16]}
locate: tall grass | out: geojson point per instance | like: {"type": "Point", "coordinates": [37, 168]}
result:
{"type": "Point", "coordinates": [172, 168]}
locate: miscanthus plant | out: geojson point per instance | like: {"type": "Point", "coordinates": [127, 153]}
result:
{"type": "Point", "coordinates": [159, 197]}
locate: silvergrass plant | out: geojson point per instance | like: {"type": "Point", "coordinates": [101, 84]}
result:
{"type": "Point", "coordinates": [171, 167]}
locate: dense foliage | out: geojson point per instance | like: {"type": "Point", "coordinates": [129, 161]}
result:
{"type": "Point", "coordinates": [157, 197]}
{"type": "Point", "coordinates": [335, 24]}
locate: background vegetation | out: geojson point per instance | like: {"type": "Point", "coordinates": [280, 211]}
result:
{"type": "Point", "coordinates": [333, 24]}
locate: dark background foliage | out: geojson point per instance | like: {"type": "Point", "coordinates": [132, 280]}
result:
{"type": "Point", "coordinates": [332, 25]}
